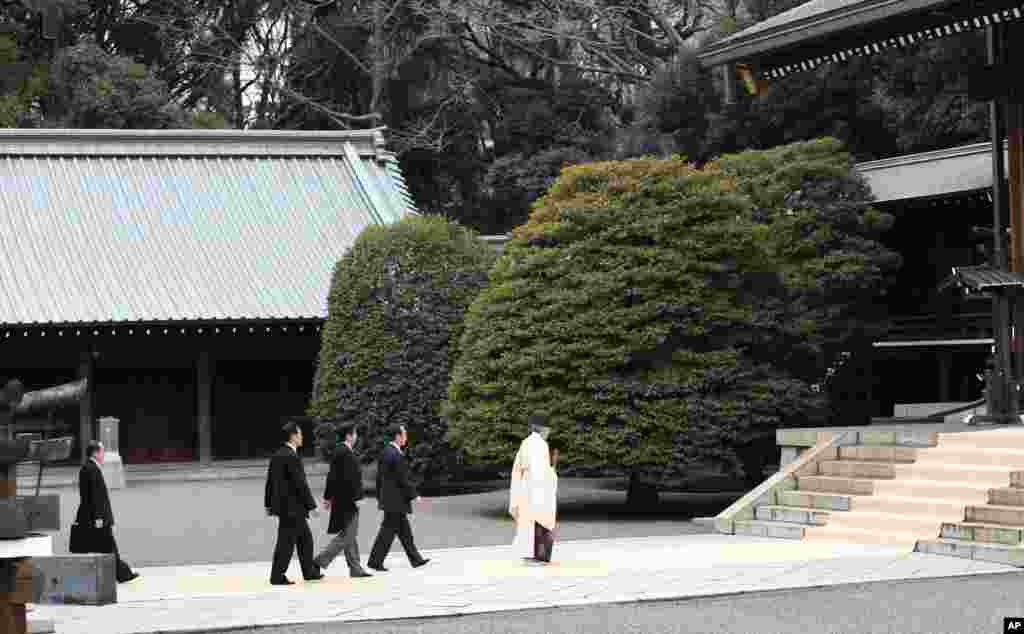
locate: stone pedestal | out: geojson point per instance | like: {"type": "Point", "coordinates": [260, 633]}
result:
{"type": "Point", "coordinates": [75, 579]}
{"type": "Point", "coordinates": [113, 467]}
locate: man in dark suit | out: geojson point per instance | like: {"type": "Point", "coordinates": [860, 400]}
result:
{"type": "Point", "coordinates": [93, 531]}
{"type": "Point", "coordinates": [395, 495]}
{"type": "Point", "coordinates": [342, 496]}
{"type": "Point", "coordinates": [288, 497]}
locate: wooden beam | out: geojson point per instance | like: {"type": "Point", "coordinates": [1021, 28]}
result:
{"type": "Point", "coordinates": [1015, 178]}
{"type": "Point", "coordinates": [204, 387]}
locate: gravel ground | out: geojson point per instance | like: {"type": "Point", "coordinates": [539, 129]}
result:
{"type": "Point", "coordinates": [182, 523]}
{"type": "Point", "coordinates": [968, 605]}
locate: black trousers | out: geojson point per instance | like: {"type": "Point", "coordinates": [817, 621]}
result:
{"type": "Point", "coordinates": [89, 539]}
{"type": "Point", "coordinates": [293, 534]}
{"type": "Point", "coordinates": [543, 543]}
{"type": "Point", "coordinates": [394, 524]}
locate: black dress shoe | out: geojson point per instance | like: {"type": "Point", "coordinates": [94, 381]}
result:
{"type": "Point", "coordinates": [131, 577]}
{"type": "Point", "coordinates": [422, 562]}
{"type": "Point", "coordinates": [359, 573]}
{"type": "Point", "coordinates": [317, 577]}
{"type": "Point", "coordinates": [380, 568]}
{"type": "Point", "coordinates": [283, 581]}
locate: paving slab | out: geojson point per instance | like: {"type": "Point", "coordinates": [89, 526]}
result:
{"type": "Point", "coordinates": [479, 580]}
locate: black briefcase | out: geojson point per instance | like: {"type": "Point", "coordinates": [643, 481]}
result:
{"type": "Point", "coordinates": [89, 539]}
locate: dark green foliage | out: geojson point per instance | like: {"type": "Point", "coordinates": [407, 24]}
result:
{"type": "Point", "coordinates": [90, 88]}
{"type": "Point", "coordinates": [515, 181]}
{"type": "Point", "coordinates": [397, 301]}
{"type": "Point", "coordinates": [826, 243]}
{"type": "Point", "coordinates": [662, 316]}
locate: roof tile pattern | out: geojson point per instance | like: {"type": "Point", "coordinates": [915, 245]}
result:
{"type": "Point", "coordinates": [151, 238]}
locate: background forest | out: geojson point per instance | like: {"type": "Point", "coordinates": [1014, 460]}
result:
{"type": "Point", "coordinates": [485, 100]}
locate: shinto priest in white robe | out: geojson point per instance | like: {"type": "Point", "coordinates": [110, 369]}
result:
{"type": "Point", "coordinates": [533, 492]}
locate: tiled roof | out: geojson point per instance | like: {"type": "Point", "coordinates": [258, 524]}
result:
{"type": "Point", "coordinates": [105, 226]}
{"type": "Point", "coordinates": [984, 278]}
{"type": "Point", "coordinates": [824, 31]}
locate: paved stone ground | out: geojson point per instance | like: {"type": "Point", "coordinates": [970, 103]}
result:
{"type": "Point", "coordinates": [179, 523]}
{"type": "Point", "coordinates": [975, 605]}
{"type": "Point", "coordinates": [494, 579]}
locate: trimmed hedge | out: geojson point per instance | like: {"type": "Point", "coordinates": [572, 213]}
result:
{"type": "Point", "coordinates": [655, 311]}
{"type": "Point", "coordinates": [397, 302]}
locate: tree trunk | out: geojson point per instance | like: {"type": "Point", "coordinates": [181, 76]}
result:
{"type": "Point", "coordinates": [642, 494]}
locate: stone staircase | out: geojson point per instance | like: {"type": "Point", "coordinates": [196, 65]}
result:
{"type": "Point", "coordinates": [957, 494]}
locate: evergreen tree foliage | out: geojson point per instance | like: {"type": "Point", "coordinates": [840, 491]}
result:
{"type": "Point", "coordinates": [396, 305]}
{"type": "Point", "coordinates": [661, 314]}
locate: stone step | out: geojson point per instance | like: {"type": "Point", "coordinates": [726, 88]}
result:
{"type": "Point", "coordinates": [1006, 496]}
{"type": "Point", "coordinates": [969, 493]}
{"type": "Point", "coordinates": [1011, 438]}
{"type": "Point", "coordinates": [843, 534]}
{"type": "Point", "coordinates": [1017, 479]}
{"type": "Point", "coordinates": [879, 453]}
{"type": "Point", "coordinates": [988, 533]}
{"type": "Point", "coordinates": [761, 528]}
{"type": "Point", "coordinates": [934, 469]}
{"type": "Point", "coordinates": [833, 484]}
{"type": "Point", "coordinates": [991, 514]}
{"type": "Point", "coordinates": [953, 510]}
{"type": "Point", "coordinates": [994, 553]}
{"type": "Point", "coordinates": [902, 437]}
{"type": "Point", "coordinates": [792, 515]}
{"type": "Point", "coordinates": [921, 526]}
{"type": "Point", "coordinates": [854, 469]}
{"type": "Point", "coordinates": [815, 500]}
{"type": "Point", "coordinates": [984, 457]}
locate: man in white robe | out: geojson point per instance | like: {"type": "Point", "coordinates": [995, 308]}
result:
{"type": "Point", "coordinates": [533, 494]}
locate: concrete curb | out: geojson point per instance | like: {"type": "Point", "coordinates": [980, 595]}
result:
{"type": "Point", "coordinates": [568, 604]}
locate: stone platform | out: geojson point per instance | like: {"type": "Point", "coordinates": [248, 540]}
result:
{"type": "Point", "coordinates": [482, 580]}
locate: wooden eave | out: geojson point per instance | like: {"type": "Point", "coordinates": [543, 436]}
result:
{"type": "Point", "coordinates": [826, 31]}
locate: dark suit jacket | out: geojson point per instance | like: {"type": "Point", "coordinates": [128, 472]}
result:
{"type": "Point", "coordinates": [95, 500]}
{"type": "Point", "coordinates": [344, 488]}
{"type": "Point", "coordinates": [394, 491]}
{"type": "Point", "coordinates": [287, 493]}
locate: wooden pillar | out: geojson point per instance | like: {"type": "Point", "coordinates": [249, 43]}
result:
{"type": "Point", "coordinates": [87, 371]}
{"type": "Point", "coordinates": [204, 386]}
{"type": "Point", "coordinates": [1015, 192]}
{"type": "Point", "coordinates": [1014, 54]}
{"type": "Point", "coordinates": [945, 368]}
{"type": "Point", "coordinates": [12, 614]}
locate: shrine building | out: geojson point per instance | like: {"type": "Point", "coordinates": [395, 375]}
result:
{"type": "Point", "coordinates": [183, 273]}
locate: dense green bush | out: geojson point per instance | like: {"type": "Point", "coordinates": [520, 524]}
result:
{"type": "Point", "coordinates": [655, 312]}
{"type": "Point", "coordinates": [397, 301]}
{"type": "Point", "coordinates": [516, 181]}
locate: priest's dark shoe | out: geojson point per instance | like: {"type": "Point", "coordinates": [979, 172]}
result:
{"type": "Point", "coordinates": [359, 574]}
{"type": "Point", "coordinates": [283, 581]}
{"type": "Point", "coordinates": [421, 562]}
{"type": "Point", "coordinates": [317, 577]}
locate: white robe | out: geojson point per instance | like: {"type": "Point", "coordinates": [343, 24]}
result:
{"type": "Point", "coordinates": [533, 492]}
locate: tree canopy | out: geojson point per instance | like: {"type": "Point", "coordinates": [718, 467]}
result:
{"type": "Point", "coordinates": [481, 98]}
{"type": "Point", "coordinates": [658, 313]}
{"type": "Point", "coordinates": [395, 310]}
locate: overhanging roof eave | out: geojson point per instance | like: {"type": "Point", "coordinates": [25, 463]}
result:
{"type": "Point", "coordinates": [759, 40]}
{"type": "Point", "coordinates": [820, 31]}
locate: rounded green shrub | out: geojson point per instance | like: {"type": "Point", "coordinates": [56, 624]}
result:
{"type": "Point", "coordinates": [645, 309]}
{"type": "Point", "coordinates": [395, 310]}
